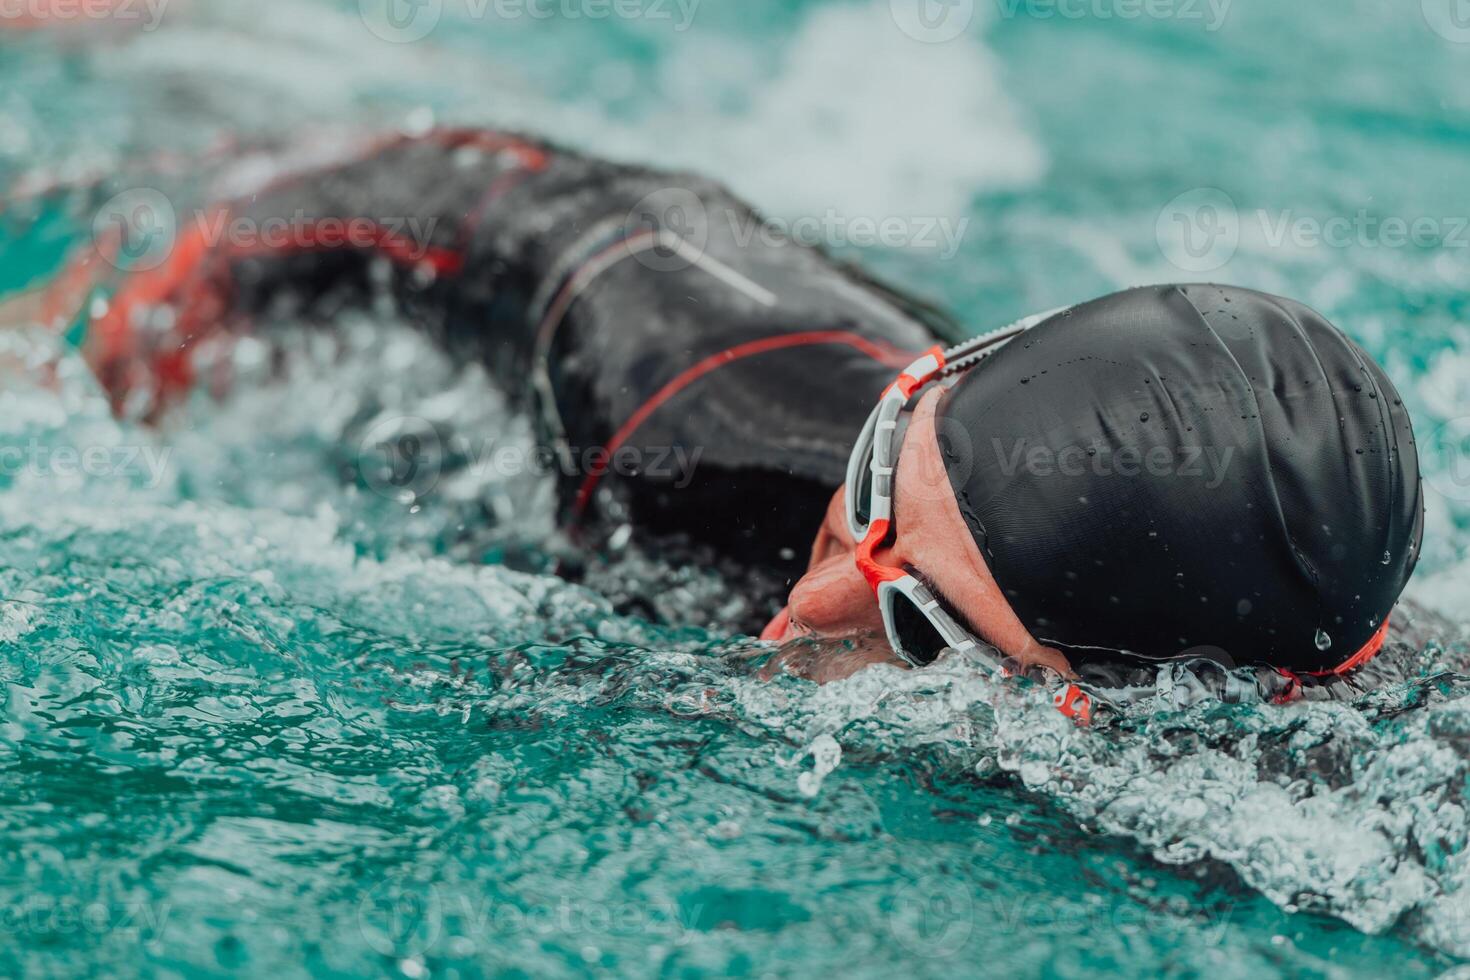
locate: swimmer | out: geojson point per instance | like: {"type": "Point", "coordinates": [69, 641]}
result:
{"type": "Point", "coordinates": [1141, 477]}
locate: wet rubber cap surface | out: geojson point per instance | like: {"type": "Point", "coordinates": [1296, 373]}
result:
{"type": "Point", "coordinates": [1176, 467]}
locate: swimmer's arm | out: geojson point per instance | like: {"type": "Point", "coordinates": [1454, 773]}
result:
{"type": "Point", "coordinates": [397, 221]}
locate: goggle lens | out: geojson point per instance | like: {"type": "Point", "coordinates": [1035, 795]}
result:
{"type": "Point", "coordinates": [920, 641]}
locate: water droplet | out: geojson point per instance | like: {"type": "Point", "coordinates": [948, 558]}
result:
{"type": "Point", "coordinates": [1323, 640]}
{"type": "Point", "coordinates": [1387, 558]}
{"type": "Point", "coordinates": [1143, 417]}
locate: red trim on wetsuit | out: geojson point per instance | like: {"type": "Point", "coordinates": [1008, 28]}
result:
{"type": "Point", "coordinates": [1366, 653]}
{"type": "Point", "coordinates": [691, 374]}
{"type": "Point", "coordinates": [155, 287]}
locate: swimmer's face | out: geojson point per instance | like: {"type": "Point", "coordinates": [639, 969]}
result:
{"type": "Point", "coordinates": [833, 600]}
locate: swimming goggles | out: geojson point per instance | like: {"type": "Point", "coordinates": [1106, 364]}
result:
{"type": "Point", "coordinates": [919, 627]}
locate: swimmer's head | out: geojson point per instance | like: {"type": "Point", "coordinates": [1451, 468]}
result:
{"type": "Point", "coordinates": [1155, 472]}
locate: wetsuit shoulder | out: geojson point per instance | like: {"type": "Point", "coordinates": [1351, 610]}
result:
{"type": "Point", "coordinates": [699, 374]}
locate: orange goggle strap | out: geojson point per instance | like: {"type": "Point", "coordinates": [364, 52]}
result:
{"type": "Point", "coordinates": [933, 363]}
{"type": "Point", "coordinates": [875, 572]}
{"type": "Point", "coordinates": [919, 373]}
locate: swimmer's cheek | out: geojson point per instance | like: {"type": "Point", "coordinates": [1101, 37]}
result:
{"type": "Point", "coordinates": [1036, 655]}
{"type": "Point", "coordinates": [832, 538]}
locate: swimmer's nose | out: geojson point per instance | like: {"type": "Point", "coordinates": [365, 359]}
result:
{"type": "Point", "coordinates": [777, 628]}
{"type": "Point", "coordinates": [833, 599]}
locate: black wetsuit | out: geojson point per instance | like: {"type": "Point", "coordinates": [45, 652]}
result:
{"type": "Point", "coordinates": [705, 377]}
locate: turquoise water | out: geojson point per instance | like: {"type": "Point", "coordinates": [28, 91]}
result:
{"type": "Point", "coordinates": [262, 720]}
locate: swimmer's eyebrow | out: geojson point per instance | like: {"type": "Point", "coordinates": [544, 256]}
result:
{"type": "Point", "coordinates": [947, 603]}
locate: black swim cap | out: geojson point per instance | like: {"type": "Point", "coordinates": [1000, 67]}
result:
{"type": "Point", "coordinates": [1177, 467]}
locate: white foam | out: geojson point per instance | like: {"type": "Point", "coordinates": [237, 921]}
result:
{"type": "Point", "coordinates": [855, 116]}
{"type": "Point", "coordinates": [850, 114]}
